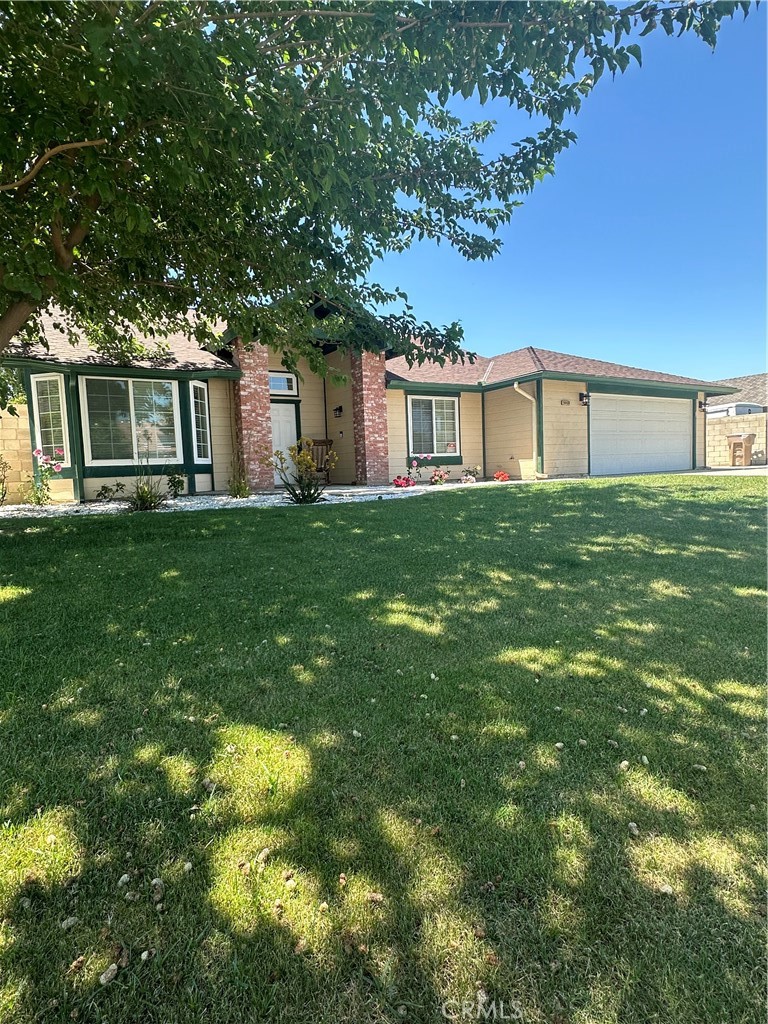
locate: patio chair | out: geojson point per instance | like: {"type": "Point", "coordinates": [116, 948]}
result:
{"type": "Point", "coordinates": [321, 450]}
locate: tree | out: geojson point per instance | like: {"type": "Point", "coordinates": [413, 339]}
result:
{"type": "Point", "coordinates": [249, 158]}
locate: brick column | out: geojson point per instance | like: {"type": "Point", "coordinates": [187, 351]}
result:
{"type": "Point", "coordinates": [369, 417]}
{"type": "Point", "coordinates": [254, 420]}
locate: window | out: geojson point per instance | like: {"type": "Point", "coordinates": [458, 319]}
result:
{"type": "Point", "coordinates": [434, 426]}
{"type": "Point", "coordinates": [283, 384]}
{"type": "Point", "coordinates": [50, 415]}
{"type": "Point", "coordinates": [128, 420]}
{"type": "Point", "coordinates": [199, 395]}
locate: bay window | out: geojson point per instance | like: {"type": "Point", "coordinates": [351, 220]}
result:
{"type": "Point", "coordinates": [130, 420]}
{"type": "Point", "coordinates": [433, 426]}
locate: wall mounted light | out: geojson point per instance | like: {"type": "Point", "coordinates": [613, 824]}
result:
{"type": "Point", "coordinates": [584, 397]}
{"type": "Point", "coordinates": [338, 410]}
{"type": "Point", "coordinates": [702, 406]}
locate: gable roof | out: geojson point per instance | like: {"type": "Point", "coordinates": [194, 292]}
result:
{"type": "Point", "coordinates": [180, 356]}
{"type": "Point", "coordinates": [752, 389]}
{"type": "Point", "coordinates": [529, 362]}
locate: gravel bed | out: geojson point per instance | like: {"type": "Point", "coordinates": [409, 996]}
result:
{"type": "Point", "coordinates": [199, 503]}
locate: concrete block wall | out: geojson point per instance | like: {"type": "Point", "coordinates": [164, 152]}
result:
{"type": "Point", "coordinates": [719, 427]}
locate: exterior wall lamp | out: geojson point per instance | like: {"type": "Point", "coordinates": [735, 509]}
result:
{"type": "Point", "coordinates": [584, 398]}
{"type": "Point", "coordinates": [337, 411]}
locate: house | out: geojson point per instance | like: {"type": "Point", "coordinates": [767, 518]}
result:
{"type": "Point", "coordinates": [531, 412]}
{"type": "Point", "coordinates": [742, 411]}
{"type": "Point", "coordinates": [749, 395]}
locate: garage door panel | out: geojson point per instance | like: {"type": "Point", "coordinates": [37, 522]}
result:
{"type": "Point", "coordinates": [632, 434]}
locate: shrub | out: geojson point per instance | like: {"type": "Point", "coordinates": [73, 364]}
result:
{"type": "Point", "coordinates": [238, 483]}
{"type": "Point", "coordinates": [176, 482]}
{"type": "Point", "coordinates": [108, 493]}
{"type": "Point", "coordinates": [147, 493]}
{"type": "Point", "coordinates": [404, 481]}
{"type": "Point", "coordinates": [38, 491]}
{"type": "Point", "coordinates": [439, 476]}
{"type": "Point", "coordinates": [501, 476]}
{"type": "Point", "coordinates": [4, 468]}
{"type": "Point", "coordinates": [298, 471]}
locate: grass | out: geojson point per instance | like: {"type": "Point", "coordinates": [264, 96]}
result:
{"type": "Point", "coordinates": [181, 692]}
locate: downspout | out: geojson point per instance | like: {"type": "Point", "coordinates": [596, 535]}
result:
{"type": "Point", "coordinates": [534, 424]}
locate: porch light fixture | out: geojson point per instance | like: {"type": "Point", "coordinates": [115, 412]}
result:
{"type": "Point", "coordinates": [584, 397]}
{"type": "Point", "coordinates": [702, 406]}
{"type": "Point", "coordinates": [337, 411]}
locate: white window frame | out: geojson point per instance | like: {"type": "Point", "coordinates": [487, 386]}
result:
{"type": "Point", "coordinates": [59, 378]}
{"type": "Point", "coordinates": [204, 385]}
{"type": "Point", "coordinates": [433, 398]}
{"type": "Point", "coordinates": [284, 394]}
{"type": "Point", "coordinates": [135, 461]}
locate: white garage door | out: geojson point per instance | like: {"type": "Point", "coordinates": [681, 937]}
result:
{"type": "Point", "coordinates": [631, 434]}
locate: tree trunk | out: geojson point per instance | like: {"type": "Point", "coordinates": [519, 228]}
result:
{"type": "Point", "coordinates": [12, 320]}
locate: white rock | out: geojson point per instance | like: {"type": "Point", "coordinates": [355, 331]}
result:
{"type": "Point", "coordinates": [700, 767]}
{"type": "Point", "coordinates": [131, 896]}
{"type": "Point", "coordinates": [643, 711]}
{"type": "Point", "coordinates": [633, 829]}
{"type": "Point", "coordinates": [262, 856]}
{"type": "Point", "coordinates": [123, 880]}
{"type": "Point", "coordinates": [614, 744]}
{"type": "Point", "coordinates": [147, 954]}
{"type": "Point", "coordinates": [356, 734]}
{"type": "Point", "coordinates": [624, 766]}
{"type": "Point", "coordinates": [109, 975]}
{"type": "Point", "coordinates": [67, 923]}
{"type": "Point", "coordinates": [187, 867]}
{"type": "Point", "coordinates": [558, 709]}
{"type": "Point", "coordinates": [521, 765]}
{"type": "Point", "coordinates": [644, 760]}
{"type": "Point", "coordinates": [454, 737]}
{"type": "Point", "coordinates": [667, 890]}
{"type": "Point", "coordinates": [582, 743]}
{"type": "Point", "coordinates": [559, 746]}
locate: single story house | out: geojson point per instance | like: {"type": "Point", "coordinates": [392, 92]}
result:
{"type": "Point", "coordinates": [748, 395]}
{"type": "Point", "coordinates": [531, 412]}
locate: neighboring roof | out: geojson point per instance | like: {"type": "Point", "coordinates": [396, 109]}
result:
{"type": "Point", "coordinates": [529, 362]}
{"type": "Point", "coordinates": [750, 390]}
{"type": "Point", "coordinates": [181, 355]}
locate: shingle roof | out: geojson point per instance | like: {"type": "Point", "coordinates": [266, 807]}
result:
{"type": "Point", "coordinates": [752, 389]}
{"type": "Point", "coordinates": [524, 362]}
{"type": "Point", "coordinates": [181, 355]}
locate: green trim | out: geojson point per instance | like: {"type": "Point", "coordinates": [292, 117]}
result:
{"type": "Point", "coordinates": [482, 430]}
{"type": "Point", "coordinates": [641, 390]}
{"type": "Point", "coordinates": [85, 370]}
{"type": "Point", "coordinates": [616, 385]}
{"type": "Point", "coordinates": [76, 457]}
{"type": "Point", "coordinates": [419, 388]}
{"type": "Point", "coordinates": [540, 425]}
{"type": "Point", "coordinates": [117, 470]}
{"type": "Point", "coordinates": [296, 402]}
{"type": "Point", "coordinates": [187, 439]}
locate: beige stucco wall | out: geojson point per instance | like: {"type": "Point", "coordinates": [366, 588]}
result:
{"type": "Point", "coordinates": [719, 427]}
{"type": "Point", "coordinates": [509, 426]}
{"type": "Point", "coordinates": [565, 429]}
{"type": "Point", "coordinates": [16, 448]}
{"type": "Point", "coordinates": [340, 429]}
{"type": "Point", "coordinates": [701, 433]}
{"type": "Point", "coordinates": [470, 434]}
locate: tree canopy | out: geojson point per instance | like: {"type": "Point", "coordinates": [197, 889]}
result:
{"type": "Point", "coordinates": [245, 159]}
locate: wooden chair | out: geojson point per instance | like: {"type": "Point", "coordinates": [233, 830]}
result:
{"type": "Point", "coordinates": [321, 450]}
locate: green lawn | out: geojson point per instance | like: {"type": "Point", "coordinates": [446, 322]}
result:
{"type": "Point", "coordinates": [181, 692]}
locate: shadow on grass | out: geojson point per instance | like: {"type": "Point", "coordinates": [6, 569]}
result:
{"type": "Point", "coordinates": [187, 689]}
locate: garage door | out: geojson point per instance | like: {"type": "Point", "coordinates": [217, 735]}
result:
{"type": "Point", "coordinates": [631, 434]}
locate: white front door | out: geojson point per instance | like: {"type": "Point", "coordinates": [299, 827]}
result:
{"type": "Point", "coordinates": [283, 428]}
{"type": "Point", "coordinates": [633, 434]}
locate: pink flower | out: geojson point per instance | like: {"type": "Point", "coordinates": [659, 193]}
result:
{"type": "Point", "coordinates": [429, 457]}
{"type": "Point", "coordinates": [57, 467]}
{"type": "Point", "coordinates": [414, 463]}
{"type": "Point", "coordinates": [58, 451]}
{"type": "Point", "coordinates": [37, 452]}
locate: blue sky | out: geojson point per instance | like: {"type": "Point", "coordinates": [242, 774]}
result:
{"type": "Point", "coordinates": [647, 247]}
